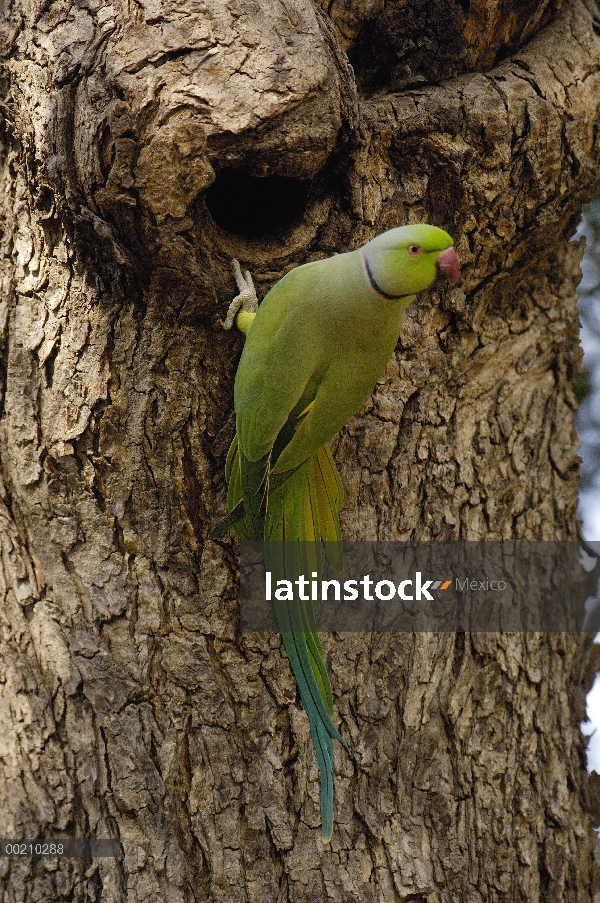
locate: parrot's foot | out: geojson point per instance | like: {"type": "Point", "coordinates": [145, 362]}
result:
{"type": "Point", "coordinates": [246, 300]}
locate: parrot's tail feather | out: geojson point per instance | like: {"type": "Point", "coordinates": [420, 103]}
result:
{"type": "Point", "coordinates": [324, 750]}
{"type": "Point", "coordinates": [296, 648]}
{"type": "Point", "coordinates": [295, 511]}
{"type": "Point", "coordinates": [236, 518]}
{"type": "Point", "coordinates": [232, 459]}
{"type": "Point", "coordinates": [254, 481]}
{"type": "Point", "coordinates": [331, 476]}
{"type": "Point", "coordinates": [300, 514]}
{"type": "Point", "coordinates": [230, 522]}
{"type": "Point", "coordinates": [330, 498]}
{"type": "Point", "coordinates": [317, 663]}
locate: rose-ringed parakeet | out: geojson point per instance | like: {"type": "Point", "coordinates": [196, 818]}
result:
{"type": "Point", "coordinates": [315, 348]}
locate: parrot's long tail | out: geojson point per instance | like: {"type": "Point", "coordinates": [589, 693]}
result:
{"type": "Point", "coordinates": [300, 513]}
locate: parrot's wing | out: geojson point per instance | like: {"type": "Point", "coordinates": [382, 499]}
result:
{"type": "Point", "coordinates": [280, 362]}
{"type": "Point", "coordinates": [342, 387]}
{"type": "Point", "coordinates": [277, 371]}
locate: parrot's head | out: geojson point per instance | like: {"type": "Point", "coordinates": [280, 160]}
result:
{"type": "Point", "coordinates": [409, 259]}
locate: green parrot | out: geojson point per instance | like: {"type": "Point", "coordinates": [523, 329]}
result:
{"type": "Point", "coordinates": [315, 348]}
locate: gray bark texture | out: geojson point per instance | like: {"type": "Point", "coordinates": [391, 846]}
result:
{"type": "Point", "coordinates": [144, 143]}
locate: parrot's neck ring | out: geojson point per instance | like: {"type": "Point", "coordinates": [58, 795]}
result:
{"type": "Point", "coordinates": [372, 283]}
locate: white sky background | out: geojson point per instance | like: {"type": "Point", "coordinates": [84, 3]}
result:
{"type": "Point", "coordinates": [588, 426]}
{"type": "Point", "coordinates": [592, 726]}
{"type": "Point", "coordinates": [588, 418]}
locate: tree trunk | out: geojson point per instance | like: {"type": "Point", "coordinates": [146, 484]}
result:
{"type": "Point", "coordinates": [144, 145]}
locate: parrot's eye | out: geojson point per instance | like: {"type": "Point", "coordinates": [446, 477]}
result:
{"type": "Point", "coordinates": [415, 250]}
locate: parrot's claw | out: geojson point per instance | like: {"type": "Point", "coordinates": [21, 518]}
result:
{"type": "Point", "coordinates": [246, 300]}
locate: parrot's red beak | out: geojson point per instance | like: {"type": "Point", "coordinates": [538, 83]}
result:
{"type": "Point", "coordinates": [447, 265]}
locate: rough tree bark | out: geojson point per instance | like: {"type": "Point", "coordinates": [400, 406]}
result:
{"type": "Point", "coordinates": [144, 144]}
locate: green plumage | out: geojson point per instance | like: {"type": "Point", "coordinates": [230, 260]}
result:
{"type": "Point", "coordinates": [320, 340]}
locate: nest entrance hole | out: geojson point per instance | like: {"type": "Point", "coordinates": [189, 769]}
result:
{"type": "Point", "coordinates": [256, 207]}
